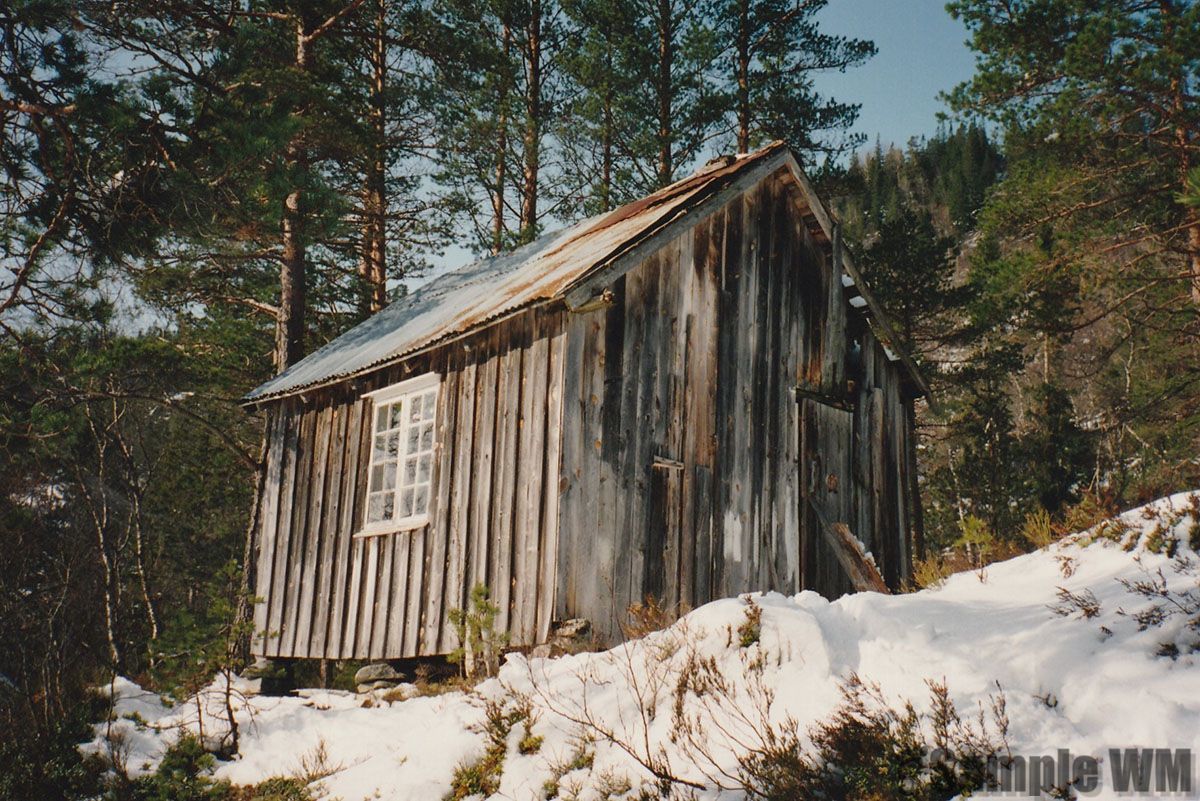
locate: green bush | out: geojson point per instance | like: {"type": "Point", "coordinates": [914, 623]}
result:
{"type": "Point", "coordinates": [870, 751]}
{"type": "Point", "coordinates": [48, 766]}
{"type": "Point", "coordinates": [185, 774]}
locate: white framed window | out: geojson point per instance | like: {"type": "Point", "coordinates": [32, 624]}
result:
{"type": "Point", "coordinates": [400, 477]}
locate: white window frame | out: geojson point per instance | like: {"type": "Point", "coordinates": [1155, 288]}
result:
{"type": "Point", "coordinates": [402, 393]}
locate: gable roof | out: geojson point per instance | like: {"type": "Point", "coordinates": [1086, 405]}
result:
{"type": "Point", "coordinates": [569, 265]}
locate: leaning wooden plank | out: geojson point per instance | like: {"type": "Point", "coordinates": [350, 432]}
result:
{"type": "Point", "coordinates": [860, 568]}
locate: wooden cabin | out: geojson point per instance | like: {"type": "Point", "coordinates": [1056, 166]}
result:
{"type": "Point", "coordinates": [689, 397]}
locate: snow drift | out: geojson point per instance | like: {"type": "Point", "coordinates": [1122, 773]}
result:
{"type": "Point", "coordinates": [1057, 632]}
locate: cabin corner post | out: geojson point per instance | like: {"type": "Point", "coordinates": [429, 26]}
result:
{"type": "Point", "coordinates": [245, 613]}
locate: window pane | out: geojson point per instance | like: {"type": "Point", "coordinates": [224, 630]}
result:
{"type": "Point", "coordinates": [380, 452]}
{"type": "Point", "coordinates": [395, 418]}
{"type": "Point", "coordinates": [389, 476]}
{"type": "Point", "coordinates": [406, 503]}
{"type": "Point", "coordinates": [376, 478]}
{"type": "Point", "coordinates": [424, 468]}
{"type": "Point", "coordinates": [375, 506]}
{"type": "Point", "coordinates": [389, 505]}
{"type": "Point", "coordinates": [415, 409]}
{"type": "Point", "coordinates": [421, 504]}
{"type": "Point", "coordinates": [381, 416]}
{"type": "Point", "coordinates": [410, 471]}
{"type": "Point", "coordinates": [430, 405]}
{"type": "Point", "coordinates": [393, 446]}
{"type": "Point", "coordinates": [414, 434]}
{"type": "Point", "coordinates": [427, 437]}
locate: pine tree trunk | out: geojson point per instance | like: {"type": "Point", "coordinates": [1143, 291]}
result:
{"type": "Point", "coordinates": [373, 258]}
{"type": "Point", "coordinates": [743, 77]}
{"type": "Point", "coordinates": [289, 327]}
{"type": "Point", "coordinates": [666, 54]}
{"type": "Point", "coordinates": [606, 145]}
{"type": "Point", "coordinates": [606, 136]}
{"type": "Point", "coordinates": [501, 168]}
{"type": "Point", "coordinates": [533, 123]}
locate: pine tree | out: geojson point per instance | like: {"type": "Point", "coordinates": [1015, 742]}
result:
{"type": "Point", "coordinates": [1101, 95]}
{"type": "Point", "coordinates": [1093, 258]}
{"type": "Point", "coordinates": [593, 128]}
{"type": "Point", "coordinates": [769, 52]}
{"type": "Point", "coordinates": [495, 126]}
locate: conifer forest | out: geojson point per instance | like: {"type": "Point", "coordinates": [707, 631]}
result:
{"type": "Point", "coordinates": [198, 193]}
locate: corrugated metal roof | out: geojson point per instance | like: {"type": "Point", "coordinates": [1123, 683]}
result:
{"type": "Point", "coordinates": [493, 287]}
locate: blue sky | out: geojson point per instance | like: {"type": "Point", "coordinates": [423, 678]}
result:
{"type": "Point", "coordinates": [922, 52]}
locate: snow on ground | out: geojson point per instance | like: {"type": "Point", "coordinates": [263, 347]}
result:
{"type": "Point", "coordinates": [1085, 684]}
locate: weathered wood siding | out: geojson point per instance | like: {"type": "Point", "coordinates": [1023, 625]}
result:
{"type": "Point", "coordinates": [683, 474]}
{"type": "Point", "coordinates": [493, 519]}
{"type": "Point", "coordinates": [690, 440]}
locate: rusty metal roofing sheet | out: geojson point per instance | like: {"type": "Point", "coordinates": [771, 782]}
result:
{"type": "Point", "coordinates": [493, 287]}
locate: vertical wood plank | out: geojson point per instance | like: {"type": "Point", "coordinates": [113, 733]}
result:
{"type": "Point", "coordinates": [344, 547]}
{"type": "Point", "coordinates": [460, 475]}
{"type": "Point", "coordinates": [385, 590]}
{"type": "Point", "coordinates": [552, 467]}
{"type": "Point", "coordinates": [415, 586]}
{"type": "Point", "coordinates": [354, 601]}
{"type": "Point", "coordinates": [368, 606]}
{"type": "Point", "coordinates": [278, 590]}
{"type": "Point", "coordinates": [323, 595]}
{"type": "Point", "coordinates": [481, 481]}
{"type": "Point", "coordinates": [530, 469]}
{"type": "Point", "coordinates": [394, 572]}
{"type": "Point", "coordinates": [508, 410]}
{"type": "Point", "coordinates": [305, 607]}
{"type": "Point", "coordinates": [268, 533]}
{"type": "Point", "coordinates": [296, 533]}
{"type": "Point", "coordinates": [440, 547]}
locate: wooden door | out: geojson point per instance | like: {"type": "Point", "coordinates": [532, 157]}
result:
{"type": "Point", "coordinates": [663, 562]}
{"type": "Point", "coordinates": [826, 492]}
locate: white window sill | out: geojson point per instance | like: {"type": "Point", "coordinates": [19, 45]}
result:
{"type": "Point", "coordinates": [380, 529]}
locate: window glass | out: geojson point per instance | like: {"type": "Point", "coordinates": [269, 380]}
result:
{"type": "Point", "coordinates": [402, 454]}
